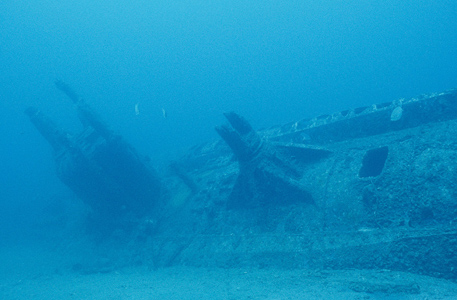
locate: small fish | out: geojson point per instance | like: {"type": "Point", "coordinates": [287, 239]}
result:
{"type": "Point", "coordinates": [396, 114]}
{"type": "Point", "coordinates": [164, 113]}
{"type": "Point", "coordinates": [137, 110]}
{"type": "Point", "coordinates": [365, 229]}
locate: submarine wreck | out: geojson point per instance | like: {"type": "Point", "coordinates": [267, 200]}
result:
{"type": "Point", "coordinates": [369, 188]}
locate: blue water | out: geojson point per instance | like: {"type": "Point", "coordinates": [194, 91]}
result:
{"type": "Point", "coordinates": [271, 61]}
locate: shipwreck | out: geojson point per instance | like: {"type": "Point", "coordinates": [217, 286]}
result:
{"type": "Point", "coordinates": [373, 187]}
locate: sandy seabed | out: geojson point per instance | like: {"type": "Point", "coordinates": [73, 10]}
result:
{"type": "Point", "coordinates": [31, 274]}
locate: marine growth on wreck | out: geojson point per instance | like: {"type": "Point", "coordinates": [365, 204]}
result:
{"type": "Point", "coordinates": [372, 187]}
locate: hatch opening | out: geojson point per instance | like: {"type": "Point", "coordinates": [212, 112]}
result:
{"type": "Point", "coordinates": [373, 162]}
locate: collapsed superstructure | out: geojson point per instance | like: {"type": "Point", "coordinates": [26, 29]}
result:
{"type": "Point", "coordinates": [373, 187]}
{"type": "Point", "coordinates": [100, 166]}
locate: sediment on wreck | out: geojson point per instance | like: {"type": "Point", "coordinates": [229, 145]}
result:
{"type": "Point", "coordinates": [379, 184]}
{"type": "Point", "coordinates": [369, 188]}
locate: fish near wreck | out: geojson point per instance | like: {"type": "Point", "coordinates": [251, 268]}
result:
{"type": "Point", "coordinates": [100, 167]}
{"type": "Point", "coordinates": [372, 187]}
